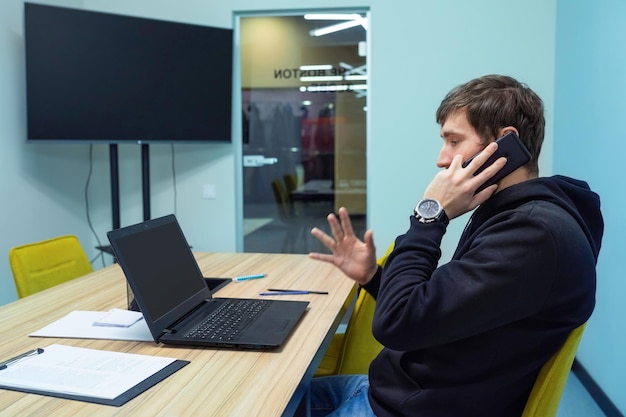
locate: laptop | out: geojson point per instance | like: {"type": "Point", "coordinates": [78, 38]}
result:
{"type": "Point", "coordinates": [175, 300]}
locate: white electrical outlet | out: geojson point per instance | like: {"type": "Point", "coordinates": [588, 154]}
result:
{"type": "Point", "coordinates": [209, 192]}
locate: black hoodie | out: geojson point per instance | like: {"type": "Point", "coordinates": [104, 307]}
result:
{"type": "Point", "coordinates": [468, 338]}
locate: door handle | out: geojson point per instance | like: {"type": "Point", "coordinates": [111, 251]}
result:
{"type": "Point", "coordinates": [258, 160]}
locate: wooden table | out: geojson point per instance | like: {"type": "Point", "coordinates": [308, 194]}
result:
{"type": "Point", "coordinates": [327, 190]}
{"type": "Point", "coordinates": [217, 382]}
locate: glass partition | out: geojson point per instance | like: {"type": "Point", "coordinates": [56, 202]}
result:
{"type": "Point", "coordinates": [304, 100]}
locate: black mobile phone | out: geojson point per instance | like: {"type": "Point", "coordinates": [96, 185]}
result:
{"type": "Point", "coordinates": [509, 146]}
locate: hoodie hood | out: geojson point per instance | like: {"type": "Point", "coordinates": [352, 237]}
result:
{"type": "Point", "coordinates": [574, 196]}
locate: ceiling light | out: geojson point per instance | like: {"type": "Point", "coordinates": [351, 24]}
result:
{"type": "Point", "coordinates": [322, 78]}
{"type": "Point", "coordinates": [332, 16]}
{"type": "Point", "coordinates": [335, 87]}
{"type": "Point", "coordinates": [316, 67]}
{"type": "Point", "coordinates": [336, 28]}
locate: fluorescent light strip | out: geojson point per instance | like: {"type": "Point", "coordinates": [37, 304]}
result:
{"type": "Point", "coordinates": [341, 87]}
{"type": "Point", "coordinates": [335, 28]}
{"type": "Point", "coordinates": [331, 16]}
{"type": "Point", "coordinates": [318, 88]}
{"type": "Point", "coordinates": [322, 78]}
{"type": "Point", "coordinates": [316, 67]}
{"type": "Point", "coordinates": [355, 77]}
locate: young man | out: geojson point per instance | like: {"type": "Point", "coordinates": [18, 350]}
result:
{"type": "Point", "coordinates": [469, 337]}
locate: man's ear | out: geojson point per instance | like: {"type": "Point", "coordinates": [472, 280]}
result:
{"type": "Point", "coordinates": [503, 131]}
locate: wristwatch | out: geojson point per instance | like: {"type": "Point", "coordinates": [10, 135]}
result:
{"type": "Point", "coordinates": [429, 210]}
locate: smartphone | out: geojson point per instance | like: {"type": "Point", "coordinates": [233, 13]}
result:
{"type": "Point", "coordinates": [509, 146]}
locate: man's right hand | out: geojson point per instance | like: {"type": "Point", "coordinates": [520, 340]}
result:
{"type": "Point", "coordinates": [355, 258]}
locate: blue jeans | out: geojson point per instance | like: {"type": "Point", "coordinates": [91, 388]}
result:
{"type": "Point", "coordinates": [340, 396]}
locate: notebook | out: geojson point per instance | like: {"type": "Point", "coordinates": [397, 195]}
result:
{"type": "Point", "coordinates": [174, 298]}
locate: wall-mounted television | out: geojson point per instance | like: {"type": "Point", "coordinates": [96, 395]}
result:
{"type": "Point", "coordinates": [106, 78]}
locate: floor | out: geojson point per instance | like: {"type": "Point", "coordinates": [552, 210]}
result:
{"type": "Point", "coordinates": [269, 234]}
{"type": "Point", "coordinates": [576, 401]}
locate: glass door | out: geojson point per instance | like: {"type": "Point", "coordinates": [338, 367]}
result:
{"type": "Point", "coordinates": [304, 98]}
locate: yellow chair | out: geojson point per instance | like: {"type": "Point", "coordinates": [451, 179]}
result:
{"type": "Point", "coordinates": [546, 393]}
{"type": "Point", "coordinates": [281, 197]}
{"type": "Point", "coordinates": [291, 182]}
{"type": "Point", "coordinates": [353, 351]}
{"type": "Point", "coordinates": [41, 265]}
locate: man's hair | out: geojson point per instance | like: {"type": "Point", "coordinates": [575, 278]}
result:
{"type": "Point", "coordinates": [492, 102]}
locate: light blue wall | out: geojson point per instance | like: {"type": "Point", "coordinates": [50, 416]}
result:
{"type": "Point", "coordinates": [416, 56]}
{"type": "Point", "coordinates": [418, 51]}
{"type": "Point", "coordinates": [590, 143]}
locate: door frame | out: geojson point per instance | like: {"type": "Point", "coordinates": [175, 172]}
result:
{"type": "Point", "coordinates": [237, 101]}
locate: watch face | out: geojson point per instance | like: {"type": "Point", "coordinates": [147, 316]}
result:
{"type": "Point", "coordinates": [428, 208]}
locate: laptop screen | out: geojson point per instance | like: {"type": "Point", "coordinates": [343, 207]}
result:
{"type": "Point", "coordinates": [163, 269]}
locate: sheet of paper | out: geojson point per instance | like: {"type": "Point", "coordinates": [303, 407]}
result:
{"type": "Point", "coordinates": [119, 318]}
{"type": "Point", "coordinates": [80, 371]}
{"type": "Point", "coordinates": [79, 325]}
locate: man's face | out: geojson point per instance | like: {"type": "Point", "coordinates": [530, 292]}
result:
{"type": "Point", "coordinates": [459, 138]}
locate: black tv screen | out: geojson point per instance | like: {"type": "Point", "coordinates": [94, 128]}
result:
{"type": "Point", "coordinates": [101, 77]}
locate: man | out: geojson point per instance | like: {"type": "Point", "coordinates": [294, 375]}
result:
{"type": "Point", "coordinates": [469, 337]}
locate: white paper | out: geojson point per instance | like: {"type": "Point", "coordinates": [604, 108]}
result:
{"type": "Point", "coordinates": [80, 371]}
{"type": "Point", "coordinates": [79, 324]}
{"type": "Point", "coordinates": [119, 318]}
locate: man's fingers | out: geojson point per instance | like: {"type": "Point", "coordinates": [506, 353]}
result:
{"type": "Point", "coordinates": [328, 241]}
{"type": "Point", "coordinates": [482, 157]}
{"type": "Point", "coordinates": [368, 238]}
{"type": "Point", "coordinates": [483, 196]}
{"type": "Point", "coordinates": [322, 257]}
{"type": "Point", "coordinates": [335, 227]}
{"type": "Point", "coordinates": [346, 224]}
{"type": "Point", "coordinates": [490, 171]}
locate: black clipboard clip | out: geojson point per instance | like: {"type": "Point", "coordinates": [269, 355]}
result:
{"type": "Point", "coordinates": [8, 362]}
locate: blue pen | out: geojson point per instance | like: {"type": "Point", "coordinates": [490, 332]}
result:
{"type": "Point", "coordinates": [284, 292]}
{"type": "Point", "coordinates": [248, 277]}
{"type": "Point", "coordinates": [275, 290]}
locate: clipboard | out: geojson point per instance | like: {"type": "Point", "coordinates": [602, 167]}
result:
{"type": "Point", "coordinates": [120, 399]}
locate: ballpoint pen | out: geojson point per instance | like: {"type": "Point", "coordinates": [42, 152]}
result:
{"type": "Point", "coordinates": [274, 291]}
{"type": "Point", "coordinates": [248, 277]}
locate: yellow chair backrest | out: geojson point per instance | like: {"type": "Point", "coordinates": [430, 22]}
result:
{"type": "Point", "coordinates": [282, 199]}
{"type": "Point", "coordinates": [351, 352]}
{"type": "Point", "coordinates": [40, 265]}
{"type": "Point", "coordinates": [291, 182]}
{"type": "Point", "coordinates": [546, 393]}
{"type": "Point", "coordinates": [359, 346]}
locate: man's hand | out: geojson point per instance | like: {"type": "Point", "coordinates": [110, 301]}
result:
{"type": "Point", "coordinates": [454, 187]}
{"type": "Point", "coordinates": [355, 258]}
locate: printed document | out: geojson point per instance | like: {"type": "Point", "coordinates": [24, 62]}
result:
{"type": "Point", "coordinates": [79, 371]}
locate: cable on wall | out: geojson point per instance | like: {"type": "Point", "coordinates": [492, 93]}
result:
{"type": "Point", "coordinates": [101, 254]}
{"type": "Point", "coordinates": [174, 178]}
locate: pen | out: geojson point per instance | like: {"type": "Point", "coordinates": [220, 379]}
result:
{"type": "Point", "coordinates": [290, 292]}
{"type": "Point", "coordinates": [5, 364]}
{"type": "Point", "coordinates": [284, 292]}
{"type": "Point", "coordinates": [307, 291]}
{"type": "Point", "coordinates": [248, 277]}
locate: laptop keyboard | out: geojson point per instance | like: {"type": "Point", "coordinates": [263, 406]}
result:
{"type": "Point", "coordinates": [229, 320]}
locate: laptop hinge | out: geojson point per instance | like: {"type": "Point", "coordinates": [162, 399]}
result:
{"type": "Point", "coordinates": [172, 328]}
